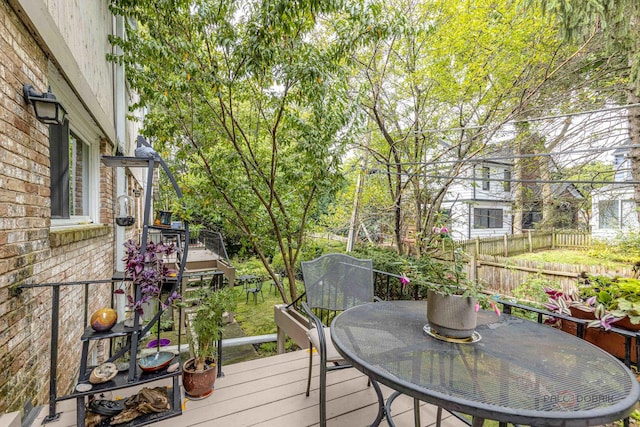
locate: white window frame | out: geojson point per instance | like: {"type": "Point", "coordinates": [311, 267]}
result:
{"type": "Point", "coordinates": [612, 206]}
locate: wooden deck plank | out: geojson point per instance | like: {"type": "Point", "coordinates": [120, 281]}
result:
{"type": "Point", "coordinates": [270, 392]}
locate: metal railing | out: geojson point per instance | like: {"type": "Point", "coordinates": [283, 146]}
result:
{"type": "Point", "coordinates": [55, 329]}
{"type": "Point", "coordinates": [214, 242]}
{"type": "Point", "coordinates": [387, 286]}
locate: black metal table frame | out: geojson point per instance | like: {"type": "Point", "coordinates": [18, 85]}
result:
{"type": "Point", "coordinates": [401, 386]}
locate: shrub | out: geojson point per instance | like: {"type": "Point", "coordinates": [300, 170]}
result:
{"type": "Point", "coordinates": [532, 290]}
{"type": "Point", "coordinates": [383, 259]}
{"type": "Point", "coordinates": [624, 248]}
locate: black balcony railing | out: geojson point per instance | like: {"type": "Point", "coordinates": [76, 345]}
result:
{"type": "Point", "coordinates": [387, 286]}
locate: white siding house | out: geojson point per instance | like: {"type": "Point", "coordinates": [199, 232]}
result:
{"type": "Point", "coordinates": [479, 204]}
{"type": "Point", "coordinates": [613, 208]}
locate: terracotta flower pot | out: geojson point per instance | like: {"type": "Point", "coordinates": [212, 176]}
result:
{"type": "Point", "coordinates": [451, 316]}
{"type": "Point", "coordinates": [610, 342]}
{"type": "Point", "coordinates": [198, 384]}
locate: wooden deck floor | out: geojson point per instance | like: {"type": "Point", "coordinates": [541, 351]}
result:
{"type": "Point", "coordinates": [271, 392]}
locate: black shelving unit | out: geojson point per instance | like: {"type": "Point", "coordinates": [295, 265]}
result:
{"type": "Point", "coordinates": [134, 376]}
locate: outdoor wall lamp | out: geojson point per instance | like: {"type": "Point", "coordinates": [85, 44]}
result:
{"type": "Point", "coordinates": [47, 108]}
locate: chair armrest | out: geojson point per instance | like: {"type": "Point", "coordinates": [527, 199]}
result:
{"type": "Point", "coordinates": [313, 319]}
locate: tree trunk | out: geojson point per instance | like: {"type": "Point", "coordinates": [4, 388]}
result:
{"type": "Point", "coordinates": [548, 205]}
{"type": "Point", "coordinates": [518, 185]}
{"type": "Point", "coordinates": [634, 137]}
{"type": "Point", "coordinates": [397, 223]}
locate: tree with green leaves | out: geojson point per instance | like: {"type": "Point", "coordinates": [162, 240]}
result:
{"type": "Point", "coordinates": [440, 86]}
{"type": "Point", "coordinates": [619, 22]}
{"type": "Point", "coordinates": [250, 101]}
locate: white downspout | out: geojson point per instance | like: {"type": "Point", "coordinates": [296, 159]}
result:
{"type": "Point", "coordinates": [120, 111]}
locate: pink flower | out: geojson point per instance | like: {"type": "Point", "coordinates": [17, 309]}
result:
{"type": "Point", "coordinates": [404, 280]}
{"type": "Point", "coordinates": [495, 307]}
{"type": "Point", "coordinates": [477, 307]}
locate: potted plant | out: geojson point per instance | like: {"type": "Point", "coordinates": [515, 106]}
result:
{"type": "Point", "coordinates": [148, 272]}
{"type": "Point", "coordinates": [452, 299]}
{"type": "Point", "coordinates": [606, 301]}
{"type": "Point", "coordinates": [206, 323]}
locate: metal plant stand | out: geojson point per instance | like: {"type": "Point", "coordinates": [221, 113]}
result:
{"type": "Point", "coordinates": [134, 375]}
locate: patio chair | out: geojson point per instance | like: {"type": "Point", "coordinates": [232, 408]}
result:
{"type": "Point", "coordinates": [273, 286]}
{"type": "Point", "coordinates": [255, 290]}
{"type": "Point", "coordinates": [333, 283]}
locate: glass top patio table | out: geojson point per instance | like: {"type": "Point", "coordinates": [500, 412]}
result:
{"type": "Point", "coordinates": [519, 371]}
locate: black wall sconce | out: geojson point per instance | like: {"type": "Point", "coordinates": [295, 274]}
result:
{"type": "Point", "coordinates": [47, 108]}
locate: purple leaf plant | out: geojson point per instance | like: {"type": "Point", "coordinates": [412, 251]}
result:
{"type": "Point", "coordinates": [147, 271]}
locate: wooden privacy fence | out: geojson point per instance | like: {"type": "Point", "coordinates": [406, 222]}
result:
{"type": "Point", "coordinates": [530, 241]}
{"type": "Point", "coordinates": [502, 275]}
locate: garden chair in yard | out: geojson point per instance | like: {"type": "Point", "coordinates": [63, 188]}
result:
{"type": "Point", "coordinates": [333, 283]}
{"type": "Point", "coordinates": [255, 290]}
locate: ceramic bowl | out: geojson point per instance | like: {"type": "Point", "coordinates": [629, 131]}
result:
{"type": "Point", "coordinates": [163, 343]}
{"type": "Point", "coordinates": [102, 320]}
{"type": "Point", "coordinates": [156, 361]}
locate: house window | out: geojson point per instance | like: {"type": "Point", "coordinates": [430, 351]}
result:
{"type": "Point", "coordinates": [487, 218]}
{"type": "Point", "coordinates": [629, 217]}
{"type": "Point", "coordinates": [72, 178]}
{"type": "Point", "coordinates": [530, 219]}
{"type": "Point", "coordinates": [485, 178]}
{"type": "Point", "coordinates": [506, 185]}
{"type": "Point", "coordinates": [621, 168]}
{"type": "Point", "coordinates": [78, 170]}
{"type": "Point", "coordinates": [608, 214]}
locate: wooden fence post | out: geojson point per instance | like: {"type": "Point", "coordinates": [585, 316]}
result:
{"type": "Point", "coordinates": [530, 242]}
{"type": "Point", "coordinates": [506, 248]}
{"type": "Point", "coordinates": [477, 246]}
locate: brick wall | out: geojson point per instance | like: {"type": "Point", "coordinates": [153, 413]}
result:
{"type": "Point", "coordinates": [29, 251]}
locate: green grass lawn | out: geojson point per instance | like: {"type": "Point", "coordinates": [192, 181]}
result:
{"type": "Point", "coordinates": [569, 256]}
{"type": "Point", "coordinates": [257, 318]}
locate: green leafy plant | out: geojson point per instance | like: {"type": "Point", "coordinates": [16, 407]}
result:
{"type": "Point", "coordinates": [532, 291]}
{"type": "Point", "coordinates": [610, 299]}
{"type": "Point", "coordinates": [207, 323]}
{"type": "Point", "coordinates": [448, 278]}
{"type": "Point", "coordinates": [147, 270]}
{"type": "Point", "coordinates": [620, 297]}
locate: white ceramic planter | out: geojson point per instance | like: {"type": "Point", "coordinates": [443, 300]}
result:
{"type": "Point", "coordinates": [452, 316]}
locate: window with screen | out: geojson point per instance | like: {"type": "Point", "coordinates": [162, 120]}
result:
{"type": "Point", "coordinates": [72, 176]}
{"type": "Point", "coordinates": [487, 218]}
{"type": "Point", "coordinates": [485, 178]}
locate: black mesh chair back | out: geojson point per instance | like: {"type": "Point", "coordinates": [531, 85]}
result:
{"type": "Point", "coordinates": [333, 283]}
{"type": "Point", "coordinates": [337, 282]}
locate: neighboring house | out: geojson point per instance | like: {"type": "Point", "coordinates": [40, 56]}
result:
{"type": "Point", "coordinates": [479, 204]}
{"type": "Point", "coordinates": [56, 198]}
{"type": "Point", "coordinates": [568, 210]}
{"type": "Point", "coordinates": [613, 207]}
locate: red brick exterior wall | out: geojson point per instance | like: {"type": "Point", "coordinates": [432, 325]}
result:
{"type": "Point", "coordinates": [30, 252]}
